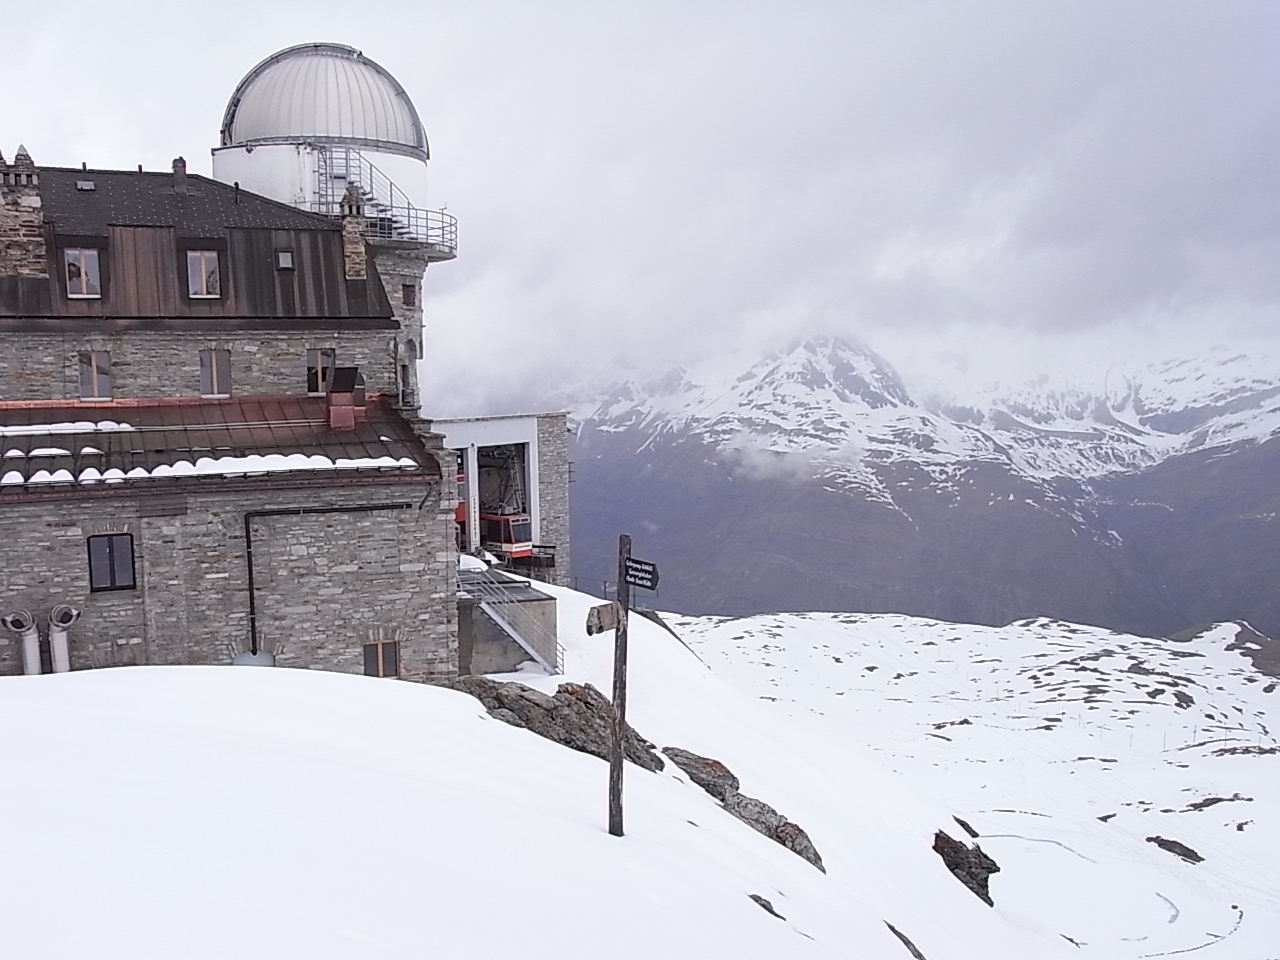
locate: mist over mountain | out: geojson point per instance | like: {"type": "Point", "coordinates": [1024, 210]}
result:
{"type": "Point", "coordinates": [812, 479]}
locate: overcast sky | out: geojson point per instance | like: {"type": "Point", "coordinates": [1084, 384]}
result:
{"type": "Point", "coordinates": [961, 185]}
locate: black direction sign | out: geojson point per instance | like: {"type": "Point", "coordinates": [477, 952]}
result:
{"type": "Point", "coordinates": [642, 573]}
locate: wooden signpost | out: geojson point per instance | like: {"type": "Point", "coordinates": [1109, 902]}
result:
{"type": "Point", "coordinates": [631, 572]}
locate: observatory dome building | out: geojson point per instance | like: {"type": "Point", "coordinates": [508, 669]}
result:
{"type": "Point", "coordinates": [215, 447]}
{"type": "Point", "coordinates": [324, 93]}
{"type": "Point", "coordinates": [321, 127]}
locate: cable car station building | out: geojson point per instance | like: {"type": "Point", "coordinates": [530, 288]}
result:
{"type": "Point", "coordinates": [210, 444]}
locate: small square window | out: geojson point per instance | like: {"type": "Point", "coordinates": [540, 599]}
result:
{"type": "Point", "coordinates": [320, 364]}
{"type": "Point", "coordinates": [382, 659]}
{"type": "Point", "coordinates": [84, 282]}
{"type": "Point", "coordinates": [111, 562]}
{"type": "Point", "coordinates": [409, 294]}
{"type": "Point", "coordinates": [95, 375]}
{"type": "Point", "coordinates": [203, 280]}
{"type": "Point", "coordinates": [284, 259]}
{"type": "Point", "coordinates": [215, 373]}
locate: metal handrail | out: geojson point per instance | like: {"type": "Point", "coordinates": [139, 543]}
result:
{"type": "Point", "coordinates": [543, 644]}
{"type": "Point", "coordinates": [390, 214]}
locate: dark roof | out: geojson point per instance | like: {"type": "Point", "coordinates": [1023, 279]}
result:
{"type": "Point", "coordinates": [124, 198]}
{"type": "Point", "coordinates": [131, 443]}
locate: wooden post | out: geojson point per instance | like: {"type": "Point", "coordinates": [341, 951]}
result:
{"type": "Point", "coordinates": [619, 689]}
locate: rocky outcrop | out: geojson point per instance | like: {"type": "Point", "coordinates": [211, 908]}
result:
{"type": "Point", "coordinates": [718, 780]}
{"type": "Point", "coordinates": [711, 775]}
{"type": "Point", "coordinates": [578, 716]}
{"type": "Point", "coordinates": [1177, 848]}
{"type": "Point", "coordinates": [906, 941]}
{"type": "Point", "coordinates": [970, 865]}
{"type": "Point", "coordinates": [765, 905]}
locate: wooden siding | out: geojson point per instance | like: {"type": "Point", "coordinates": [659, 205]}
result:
{"type": "Point", "coordinates": [144, 275]}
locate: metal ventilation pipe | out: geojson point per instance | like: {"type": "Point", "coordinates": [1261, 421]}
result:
{"type": "Point", "coordinates": [24, 625]}
{"type": "Point", "coordinates": [61, 618]}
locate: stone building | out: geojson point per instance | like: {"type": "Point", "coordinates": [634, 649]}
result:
{"type": "Point", "coordinates": [210, 443]}
{"type": "Point", "coordinates": [206, 451]}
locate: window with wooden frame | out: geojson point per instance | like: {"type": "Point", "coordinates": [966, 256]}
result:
{"type": "Point", "coordinates": [204, 282]}
{"type": "Point", "coordinates": [84, 278]}
{"type": "Point", "coordinates": [95, 375]}
{"type": "Point", "coordinates": [382, 659]}
{"type": "Point", "coordinates": [215, 373]}
{"type": "Point", "coordinates": [320, 364]}
{"type": "Point", "coordinates": [111, 562]}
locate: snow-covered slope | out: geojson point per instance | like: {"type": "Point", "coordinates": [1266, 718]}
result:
{"type": "Point", "coordinates": [1066, 747]}
{"type": "Point", "coordinates": [844, 408]}
{"type": "Point", "coordinates": [222, 811]}
{"type": "Point", "coordinates": [213, 812]}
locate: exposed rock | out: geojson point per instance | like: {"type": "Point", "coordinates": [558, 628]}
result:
{"type": "Point", "coordinates": [718, 780]}
{"type": "Point", "coordinates": [1174, 847]}
{"type": "Point", "coordinates": [964, 825]}
{"type": "Point", "coordinates": [578, 716]}
{"type": "Point", "coordinates": [1213, 801]}
{"type": "Point", "coordinates": [768, 907]}
{"type": "Point", "coordinates": [711, 775]}
{"type": "Point", "coordinates": [906, 942]}
{"type": "Point", "coordinates": [970, 865]}
{"type": "Point", "coordinates": [755, 813]}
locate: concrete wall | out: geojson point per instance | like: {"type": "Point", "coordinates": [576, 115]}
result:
{"type": "Point", "coordinates": [483, 646]}
{"type": "Point", "coordinates": [153, 364]}
{"type": "Point", "coordinates": [325, 583]}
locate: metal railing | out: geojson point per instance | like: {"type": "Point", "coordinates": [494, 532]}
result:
{"type": "Point", "coordinates": [389, 213]}
{"type": "Point", "coordinates": [517, 620]}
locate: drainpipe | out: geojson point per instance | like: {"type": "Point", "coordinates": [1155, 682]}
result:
{"type": "Point", "coordinates": [60, 620]}
{"type": "Point", "coordinates": [251, 515]}
{"type": "Point", "coordinates": [24, 625]}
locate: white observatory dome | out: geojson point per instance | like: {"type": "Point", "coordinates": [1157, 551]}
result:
{"type": "Point", "coordinates": [323, 93]}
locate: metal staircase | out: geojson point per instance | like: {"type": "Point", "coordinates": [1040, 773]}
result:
{"type": "Point", "coordinates": [389, 213]}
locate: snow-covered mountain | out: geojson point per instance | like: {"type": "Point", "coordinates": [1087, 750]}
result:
{"type": "Point", "coordinates": [844, 408]}
{"type": "Point", "coordinates": [813, 478]}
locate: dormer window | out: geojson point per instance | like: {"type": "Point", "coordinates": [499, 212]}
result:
{"type": "Point", "coordinates": [80, 264]}
{"type": "Point", "coordinates": [203, 281]}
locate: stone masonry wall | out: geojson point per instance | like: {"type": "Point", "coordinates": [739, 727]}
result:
{"type": "Point", "coordinates": [22, 246]}
{"type": "Point", "coordinates": [553, 490]}
{"type": "Point", "coordinates": [400, 265]}
{"type": "Point", "coordinates": [325, 583]}
{"type": "Point", "coordinates": [154, 364]}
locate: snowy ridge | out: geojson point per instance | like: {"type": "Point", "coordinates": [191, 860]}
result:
{"type": "Point", "coordinates": [844, 409]}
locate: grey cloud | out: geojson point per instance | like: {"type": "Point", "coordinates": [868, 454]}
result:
{"type": "Point", "coordinates": [637, 184]}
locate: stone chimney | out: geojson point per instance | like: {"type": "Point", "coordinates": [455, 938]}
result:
{"type": "Point", "coordinates": [22, 248]}
{"type": "Point", "coordinates": [346, 399]}
{"type": "Point", "coordinates": [179, 175]}
{"type": "Point", "coordinates": [353, 224]}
